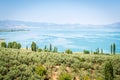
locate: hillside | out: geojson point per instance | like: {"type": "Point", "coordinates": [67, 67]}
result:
{"type": "Point", "coordinates": [27, 65]}
{"type": "Point", "coordinates": [14, 24]}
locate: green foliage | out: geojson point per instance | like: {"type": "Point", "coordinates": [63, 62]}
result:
{"type": "Point", "coordinates": [41, 70]}
{"type": "Point", "coordinates": [46, 49]}
{"type": "Point", "coordinates": [108, 71]}
{"type": "Point", "coordinates": [55, 50]}
{"type": "Point", "coordinates": [86, 52]}
{"type": "Point", "coordinates": [101, 51]}
{"type": "Point", "coordinates": [68, 51]}
{"type": "Point", "coordinates": [22, 65]}
{"type": "Point", "coordinates": [39, 50]}
{"type": "Point", "coordinates": [3, 44]}
{"type": "Point", "coordinates": [80, 59]}
{"type": "Point", "coordinates": [113, 48]}
{"type": "Point", "coordinates": [18, 45]}
{"type": "Point", "coordinates": [86, 77]}
{"type": "Point", "coordinates": [14, 45]}
{"type": "Point", "coordinates": [33, 46]}
{"type": "Point", "coordinates": [65, 76]}
{"type": "Point", "coordinates": [10, 45]}
{"type": "Point", "coordinates": [97, 51]}
{"type": "Point", "coordinates": [50, 48]}
{"type": "Point", "coordinates": [100, 78]}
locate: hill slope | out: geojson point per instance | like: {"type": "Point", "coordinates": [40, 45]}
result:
{"type": "Point", "coordinates": [22, 64]}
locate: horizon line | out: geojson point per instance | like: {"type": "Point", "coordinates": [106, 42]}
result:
{"type": "Point", "coordinates": [58, 23]}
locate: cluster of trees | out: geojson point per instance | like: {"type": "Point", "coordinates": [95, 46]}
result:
{"type": "Point", "coordinates": [50, 49]}
{"type": "Point", "coordinates": [68, 51]}
{"type": "Point", "coordinates": [100, 51]}
{"type": "Point", "coordinates": [113, 48]}
{"type": "Point", "coordinates": [35, 48]}
{"type": "Point", "coordinates": [97, 51]}
{"type": "Point", "coordinates": [13, 44]}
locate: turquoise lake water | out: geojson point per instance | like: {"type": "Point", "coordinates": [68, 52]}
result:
{"type": "Point", "coordinates": [76, 40]}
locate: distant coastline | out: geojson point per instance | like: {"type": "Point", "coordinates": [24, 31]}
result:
{"type": "Point", "coordinates": [1, 39]}
{"type": "Point", "coordinates": [12, 30]}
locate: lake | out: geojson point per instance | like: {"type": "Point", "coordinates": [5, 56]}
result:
{"type": "Point", "coordinates": [76, 40]}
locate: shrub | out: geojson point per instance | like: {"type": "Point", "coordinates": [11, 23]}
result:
{"type": "Point", "coordinates": [41, 70]}
{"type": "Point", "coordinates": [80, 59]}
{"type": "Point", "coordinates": [86, 52]}
{"type": "Point", "coordinates": [96, 53]}
{"type": "Point", "coordinates": [39, 50]}
{"type": "Point", "coordinates": [108, 71]}
{"type": "Point", "coordinates": [46, 49]}
{"type": "Point", "coordinates": [65, 76]}
{"type": "Point", "coordinates": [86, 77]}
{"type": "Point", "coordinates": [68, 51]}
{"type": "Point", "coordinates": [3, 44]}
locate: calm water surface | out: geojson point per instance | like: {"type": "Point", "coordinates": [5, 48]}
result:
{"type": "Point", "coordinates": [76, 40]}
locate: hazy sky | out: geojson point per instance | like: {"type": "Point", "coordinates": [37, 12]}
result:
{"type": "Point", "coordinates": [61, 11]}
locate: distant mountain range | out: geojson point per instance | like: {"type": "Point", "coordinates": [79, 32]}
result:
{"type": "Point", "coordinates": [12, 24]}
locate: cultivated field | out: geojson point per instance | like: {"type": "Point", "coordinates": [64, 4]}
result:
{"type": "Point", "coordinates": [19, 64]}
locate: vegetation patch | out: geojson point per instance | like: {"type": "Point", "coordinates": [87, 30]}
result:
{"type": "Point", "coordinates": [21, 64]}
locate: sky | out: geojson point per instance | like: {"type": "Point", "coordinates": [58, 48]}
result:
{"type": "Point", "coordinates": [97, 12]}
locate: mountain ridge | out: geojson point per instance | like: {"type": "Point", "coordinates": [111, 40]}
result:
{"type": "Point", "coordinates": [15, 24]}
